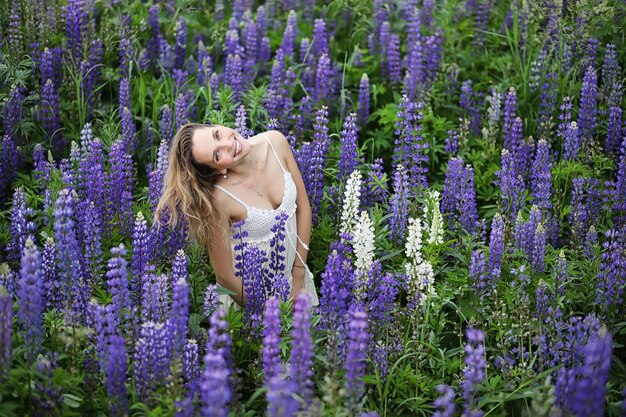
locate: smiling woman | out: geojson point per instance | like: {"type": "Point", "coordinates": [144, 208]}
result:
{"type": "Point", "coordinates": [215, 177]}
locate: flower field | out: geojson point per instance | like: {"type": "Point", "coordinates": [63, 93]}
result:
{"type": "Point", "coordinates": [466, 166]}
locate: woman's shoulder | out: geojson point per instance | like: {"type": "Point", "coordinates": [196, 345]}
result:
{"type": "Point", "coordinates": [278, 140]}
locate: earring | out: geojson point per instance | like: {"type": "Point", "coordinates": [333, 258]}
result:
{"type": "Point", "coordinates": [225, 176]}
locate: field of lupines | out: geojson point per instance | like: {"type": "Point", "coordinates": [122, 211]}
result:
{"type": "Point", "coordinates": [466, 165]}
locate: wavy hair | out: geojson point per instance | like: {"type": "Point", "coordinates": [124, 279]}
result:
{"type": "Point", "coordinates": [188, 189]}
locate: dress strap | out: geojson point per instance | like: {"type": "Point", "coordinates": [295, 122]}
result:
{"type": "Point", "coordinates": [274, 150]}
{"type": "Point", "coordinates": [233, 196]}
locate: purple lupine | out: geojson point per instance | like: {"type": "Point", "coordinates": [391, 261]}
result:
{"type": "Point", "coordinates": [394, 67]}
{"type": "Point", "coordinates": [542, 301]}
{"type": "Point", "coordinates": [129, 131]}
{"type": "Point", "coordinates": [215, 389]}
{"type": "Point", "coordinates": [591, 240]}
{"type": "Point", "coordinates": [452, 142]}
{"type": "Point", "coordinates": [166, 124]}
{"type": "Point", "coordinates": [141, 254]}
{"type": "Point", "coordinates": [249, 268]}
{"type": "Point", "coordinates": [511, 186]}
{"type": "Point", "coordinates": [181, 111]}
{"type": "Point", "coordinates": [276, 283]}
{"type": "Point", "coordinates": [548, 98]}
{"type": "Point", "coordinates": [611, 69]}
{"type": "Point", "coordinates": [10, 159]}
{"type": "Point", "coordinates": [233, 73]}
{"type": "Point", "coordinates": [478, 273]}
{"type": "Point", "coordinates": [336, 295]}
{"type": "Point", "coordinates": [444, 404]}
{"type": "Point", "coordinates": [321, 143]}
{"type": "Point", "coordinates": [90, 71]}
{"type": "Point", "coordinates": [76, 21]}
{"type": "Point", "coordinates": [15, 37]}
{"type": "Point", "coordinates": [13, 112]}
{"type": "Point", "coordinates": [191, 361]}
{"type": "Point", "coordinates": [541, 176]}
{"type": "Point", "coordinates": [539, 249]}
{"type": "Point", "coordinates": [588, 112]}
{"type": "Point", "coordinates": [92, 235]}
{"type": "Point", "coordinates": [355, 358]}
{"type": "Point", "coordinates": [399, 204]}
{"type": "Point", "coordinates": [280, 397]}
{"type": "Point", "coordinates": [348, 155]}
{"type": "Point", "coordinates": [432, 58]}
{"type": "Point", "coordinates": [124, 93]}
{"type": "Point", "coordinates": [469, 102]}
{"type": "Point", "coordinates": [415, 75]}
{"type": "Point", "coordinates": [364, 100]}
{"type": "Point", "coordinates": [154, 302]}
{"type": "Point", "coordinates": [49, 396]}
{"type": "Point", "coordinates": [180, 47]}
{"type": "Point", "coordinates": [21, 226]}
{"type": "Point", "coordinates": [272, 365]}
{"type": "Point", "coordinates": [496, 247]}
{"type": "Point", "coordinates": [510, 109]}
{"type": "Point", "coordinates": [320, 38]}
{"type": "Point", "coordinates": [154, 41]}
{"type": "Point", "coordinates": [104, 325]}
{"type": "Point", "coordinates": [288, 43]}
{"type": "Point", "coordinates": [151, 358]}
{"type": "Point", "coordinates": [116, 376]}
{"type": "Point", "coordinates": [52, 295]}
{"type": "Point", "coordinates": [211, 301]}
{"type": "Point", "coordinates": [615, 130]}
{"type": "Point", "coordinates": [459, 196]}
{"type": "Point", "coordinates": [92, 165]}
{"type": "Point", "coordinates": [374, 190]}
{"type": "Point", "coordinates": [6, 320]}
{"type": "Point", "coordinates": [480, 24]}
{"type": "Point", "coordinates": [205, 65]}
{"type": "Point", "coordinates": [29, 300]}
{"type": "Point", "coordinates": [301, 369]}
{"type": "Point", "coordinates": [275, 103]}
{"type": "Point", "coordinates": [474, 371]}
{"type": "Point", "coordinates": [410, 146]}
{"type": "Point", "coordinates": [180, 313]}
{"type": "Point", "coordinates": [117, 284]}
{"type": "Point", "coordinates": [323, 81]}
{"type": "Point", "coordinates": [612, 276]}
{"type": "Point", "coordinates": [119, 186]}
{"type": "Point", "coordinates": [50, 111]}
{"type": "Point", "coordinates": [68, 250]}
{"type": "Point", "coordinates": [240, 123]}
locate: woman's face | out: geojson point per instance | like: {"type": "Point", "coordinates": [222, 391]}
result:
{"type": "Point", "coordinates": [219, 147]}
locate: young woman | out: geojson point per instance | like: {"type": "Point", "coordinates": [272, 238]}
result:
{"type": "Point", "coordinates": [215, 177]}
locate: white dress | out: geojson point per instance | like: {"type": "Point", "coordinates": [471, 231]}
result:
{"type": "Point", "coordinates": [258, 224]}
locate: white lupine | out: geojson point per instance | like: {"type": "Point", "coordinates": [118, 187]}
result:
{"type": "Point", "coordinates": [363, 242]}
{"type": "Point", "coordinates": [351, 202]}
{"type": "Point", "coordinates": [435, 235]}
{"type": "Point", "coordinates": [418, 270]}
{"type": "Point", "coordinates": [414, 241]}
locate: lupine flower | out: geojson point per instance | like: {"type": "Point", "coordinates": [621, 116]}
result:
{"type": "Point", "coordinates": [251, 274]}
{"type": "Point", "coordinates": [419, 271]}
{"type": "Point", "coordinates": [49, 396]}
{"type": "Point", "coordinates": [151, 358]}
{"type": "Point", "coordinates": [469, 102]}
{"type": "Point", "coordinates": [288, 43]}
{"type": "Point", "coordinates": [211, 301]}
{"type": "Point", "coordinates": [68, 251]}
{"type": "Point", "coordinates": [355, 358]}
{"type": "Point", "coordinates": [116, 376]}
{"type": "Point", "coordinates": [191, 362]}
{"type": "Point", "coordinates": [431, 211]}
{"type": "Point", "coordinates": [6, 321]}
{"type": "Point", "coordinates": [167, 127]}
{"type": "Point", "coordinates": [301, 369]}
{"type": "Point", "coordinates": [321, 144]}
{"type": "Point", "coordinates": [320, 38]}
{"type": "Point", "coordinates": [280, 397]}
{"type": "Point", "coordinates": [510, 109]}
{"type": "Point", "coordinates": [614, 130]}
{"type": "Point", "coordinates": [364, 100]}
{"type": "Point", "coordinates": [474, 371]}
{"type": "Point", "coordinates": [13, 112]}
{"type": "Point", "coordinates": [50, 110]}
{"type": "Point", "coordinates": [611, 69]}
{"type": "Point", "coordinates": [233, 73]}
{"type": "Point", "coordinates": [478, 273]}
{"type": "Point", "coordinates": [452, 142]}
{"type": "Point", "coordinates": [156, 177]}
{"type": "Point", "coordinates": [90, 71]}
{"type": "Point", "coordinates": [496, 247]}
{"type": "Point", "coordinates": [445, 403]}
{"type": "Point", "coordinates": [541, 176]}
{"type": "Point", "coordinates": [511, 186]}
{"type": "Point", "coordinates": [141, 254]}
{"type": "Point", "coordinates": [410, 146]}
{"type": "Point", "coordinates": [10, 159]}
{"type": "Point", "coordinates": [76, 21]}
{"type": "Point", "coordinates": [348, 155]}
{"type": "Point", "coordinates": [394, 67]}
{"type": "Point", "coordinates": [181, 111]}
{"type": "Point", "coordinates": [180, 48]}
{"type": "Point", "coordinates": [560, 276]}
{"type": "Point", "coordinates": [363, 243]}
{"type": "Point", "coordinates": [374, 190]}
{"type": "Point", "coordinates": [351, 203]}
{"type": "Point", "coordinates": [154, 41]}
{"type": "Point", "coordinates": [612, 275]}
{"type": "Point", "coordinates": [588, 113]}
{"type": "Point", "coordinates": [180, 313]}
{"type": "Point", "coordinates": [539, 249]}
{"type": "Point", "coordinates": [399, 204]}
{"type": "Point", "coordinates": [271, 341]}
{"type": "Point", "coordinates": [117, 283]}
{"type": "Point", "coordinates": [591, 240]}
{"type": "Point", "coordinates": [29, 299]}
{"type": "Point", "coordinates": [21, 227]}
{"type": "Point", "coordinates": [323, 80]}
{"type": "Point", "coordinates": [459, 196]}
{"type": "Point", "coordinates": [240, 123]}
{"type": "Point", "coordinates": [215, 389]}
{"type": "Point", "coordinates": [119, 185]}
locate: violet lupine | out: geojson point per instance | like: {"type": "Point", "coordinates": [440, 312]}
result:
{"type": "Point", "coordinates": [251, 274]}
{"type": "Point", "coordinates": [615, 130]}
{"type": "Point", "coordinates": [104, 325]}
{"type": "Point", "coordinates": [129, 131]}
{"type": "Point", "coordinates": [355, 358]}
{"type": "Point", "coordinates": [191, 362]}
{"type": "Point", "coordinates": [13, 111]}
{"type": "Point", "coordinates": [151, 358]}
{"type": "Point", "coordinates": [272, 366]}
{"type": "Point", "coordinates": [288, 43]}
{"type": "Point", "coordinates": [68, 248]}
{"type": "Point", "coordinates": [323, 80]}
{"type": "Point", "coordinates": [315, 172]}
{"type": "Point", "coordinates": [541, 176]}
{"type": "Point", "coordinates": [49, 396]}
{"type": "Point", "coordinates": [211, 300]}
{"type": "Point", "coordinates": [381, 293]}
{"type": "Point", "coordinates": [432, 58]}
{"type": "Point", "coordinates": [180, 308]}
{"type": "Point", "coordinates": [410, 147]}
{"type": "Point", "coordinates": [166, 124]}
{"type": "Point", "coordinates": [154, 302]}
{"type": "Point", "coordinates": [275, 281]}
{"type": "Point", "coordinates": [50, 110]}
{"type": "Point", "coordinates": [459, 196]}
{"type": "Point", "coordinates": [180, 47]}
{"type": "Point", "coordinates": [414, 76]}
{"type": "Point", "coordinates": [348, 155]}
{"type": "Point", "coordinates": [511, 186]}
{"type": "Point", "coordinates": [469, 102]}
{"type": "Point", "coordinates": [496, 248]}
{"type": "Point", "coordinates": [154, 41]}
{"type": "Point", "coordinates": [591, 52]}
{"type": "Point", "coordinates": [117, 284]}
{"type": "Point", "coordinates": [364, 100]}
{"type": "Point", "coordinates": [444, 404]}
{"type": "Point", "coordinates": [6, 321]}
{"type": "Point", "coordinates": [52, 295]}
{"type": "Point", "coordinates": [233, 74]}
{"type": "Point", "coordinates": [452, 142]}
{"type": "Point", "coordinates": [15, 37]}
{"type": "Point", "coordinates": [92, 235]}
{"type": "Point", "coordinates": [539, 249]}
{"type": "Point", "coordinates": [21, 226]}
{"type": "Point", "coordinates": [76, 21]}
{"type": "Point", "coordinates": [611, 69]}
{"type": "Point", "coordinates": [90, 71]}
{"type": "Point", "coordinates": [141, 254]}
{"type": "Point", "coordinates": [478, 273]}
{"type": "Point", "coordinates": [393, 61]}
{"type": "Point", "coordinates": [119, 186]}
{"type": "Point", "coordinates": [612, 275]}
{"type": "Point", "coordinates": [474, 371]}
{"type": "Point", "coordinates": [399, 204]}
{"type": "Point", "coordinates": [215, 389]}
{"type": "Point", "coordinates": [510, 114]}
{"type": "Point", "coordinates": [92, 165]}
{"type": "Point", "coordinates": [588, 112]}
{"type": "Point", "coordinates": [240, 123]}
{"type": "Point", "coordinates": [124, 93]}
{"type": "Point", "coordinates": [301, 368]}
{"type": "Point", "coordinates": [320, 38]}
{"type": "Point", "coordinates": [205, 65]}
{"type": "Point", "coordinates": [549, 92]}
{"type": "Point", "coordinates": [276, 100]}
{"type": "Point", "coordinates": [280, 397]}
{"type": "Point", "coordinates": [29, 300]}
{"type": "Point", "coordinates": [116, 376]}
{"type": "Point", "coordinates": [181, 111]}
{"type": "Point", "coordinates": [591, 240]}
{"type": "Point", "coordinates": [374, 190]}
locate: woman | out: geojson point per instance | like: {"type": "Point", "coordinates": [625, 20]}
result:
{"type": "Point", "coordinates": [215, 177]}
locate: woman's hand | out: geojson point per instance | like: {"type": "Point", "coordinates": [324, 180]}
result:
{"type": "Point", "coordinates": [297, 283]}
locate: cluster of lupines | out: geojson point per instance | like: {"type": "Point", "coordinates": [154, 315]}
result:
{"type": "Point", "coordinates": [474, 372]}
{"type": "Point", "coordinates": [459, 196]}
{"type": "Point", "coordinates": [410, 146]}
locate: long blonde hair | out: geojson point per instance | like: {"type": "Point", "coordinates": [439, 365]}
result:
{"type": "Point", "coordinates": [188, 190]}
